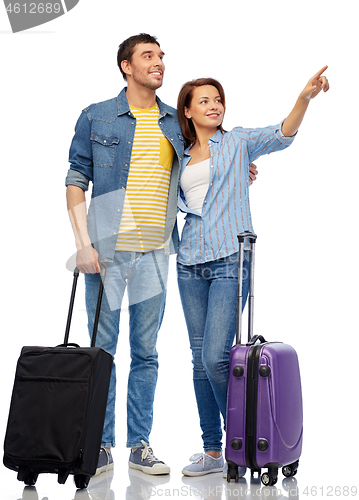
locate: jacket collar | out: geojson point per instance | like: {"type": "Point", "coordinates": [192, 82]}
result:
{"type": "Point", "coordinates": [123, 106]}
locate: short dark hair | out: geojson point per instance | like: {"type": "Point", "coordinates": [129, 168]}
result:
{"type": "Point", "coordinates": [184, 101]}
{"type": "Point", "coordinates": [127, 48]}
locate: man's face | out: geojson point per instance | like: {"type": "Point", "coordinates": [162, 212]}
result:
{"type": "Point", "coordinates": [146, 67]}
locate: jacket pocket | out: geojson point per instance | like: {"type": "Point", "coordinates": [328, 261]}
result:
{"type": "Point", "coordinates": [104, 150]}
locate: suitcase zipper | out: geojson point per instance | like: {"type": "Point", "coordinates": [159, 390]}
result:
{"type": "Point", "coordinates": [251, 404]}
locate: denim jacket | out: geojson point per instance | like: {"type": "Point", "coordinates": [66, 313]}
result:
{"type": "Point", "coordinates": [101, 152]}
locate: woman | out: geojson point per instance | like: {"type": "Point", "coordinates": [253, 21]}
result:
{"type": "Point", "coordinates": [214, 195]}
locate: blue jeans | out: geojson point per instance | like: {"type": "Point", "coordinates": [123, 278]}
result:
{"type": "Point", "coordinates": [145, 277]}
{"type": "Point", "coordinates": [209, 299]}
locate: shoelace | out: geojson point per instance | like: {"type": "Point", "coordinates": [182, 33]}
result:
{"type": "Point", "coordinates": [197, 457]}
{"type": "Point", "coordinates": [148, 453]}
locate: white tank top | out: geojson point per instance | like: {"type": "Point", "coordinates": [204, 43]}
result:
{"type": "Point", "coordinates": [195, 183]}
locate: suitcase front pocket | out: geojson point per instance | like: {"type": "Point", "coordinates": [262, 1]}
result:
{"type": "Point", "coordinates": [48, 414]}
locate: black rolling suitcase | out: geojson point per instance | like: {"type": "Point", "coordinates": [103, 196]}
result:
{"type": "Point", "coordinates": [58, 408]}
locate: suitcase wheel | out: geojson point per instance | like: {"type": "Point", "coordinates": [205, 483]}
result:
{"type": "Point", "coordinates": [28, 476]}
{"type": "Point", "coordinates": [31, 478]}
{"type": "Point", "coordinates": [236, 477]}
{"type": "Point", "coordinates": [271, 477]}
{"type": "Point", "coordinates": [232, 472]}
{"type": "Point", "coordinates": [268, 480]}
{"type": "Point", "coordinates": [290, 470]}
{"type": "Point", "coordinates": [81, 481]}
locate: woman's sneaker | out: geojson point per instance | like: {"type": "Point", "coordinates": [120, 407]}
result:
{"type": "Point", "coordinates": [144, 460]}
{"type": "Point", "coordinates": [202, 464]}
{"type": "Point", "coordinates": [105, 461]}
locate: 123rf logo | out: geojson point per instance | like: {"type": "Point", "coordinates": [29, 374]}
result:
{"type": "Point", "coordinates": [28, 14]}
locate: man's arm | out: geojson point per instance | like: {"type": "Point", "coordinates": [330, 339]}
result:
{"type": "Point", "coordinates": [87, 259]}
{"type": "Point", "coordinates": [252, 173]}
{"type": "Point", "coordinates": [313, 87]}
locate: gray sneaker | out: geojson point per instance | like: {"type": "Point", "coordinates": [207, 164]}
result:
{"type": "Point", "coordinates": [105, 461]}
{"type": "Point", "coordinates": [144, 460]}
{"type": "Point", "coordinates": [203, 464]}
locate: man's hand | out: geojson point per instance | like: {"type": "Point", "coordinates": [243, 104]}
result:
{"type": "Point", "coordinates": [252, 173]}
{"type": "Point", "coordinates": [87, 260]}
{"type": "Point", "coordinates": [315, 85]}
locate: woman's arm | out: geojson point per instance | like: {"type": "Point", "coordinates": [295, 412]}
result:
{"type": "Point", "coordinates": [313, 87]}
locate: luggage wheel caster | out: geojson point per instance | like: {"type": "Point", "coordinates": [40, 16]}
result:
{"type": "Point", "coordinates": [290, 470]}
{"type": "Point", "coordinates": [28, 476]}
{"type": "Point", "coordinates": [253, 471]}
{"type": "Point", "coordinates": [268, 479]}
{"type": "Point", "coordinates": [31, 478]}
{"type": "Point", "coordinates": [232, 472]}
{"type": "Point", "coordinates": [81, 481]}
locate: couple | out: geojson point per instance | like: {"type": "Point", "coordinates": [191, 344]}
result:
{"type": "Point", "coordinates": [144, 160]}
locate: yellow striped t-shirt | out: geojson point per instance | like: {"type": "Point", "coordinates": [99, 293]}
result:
{"type": "Point", "coordinates": [144, 214]}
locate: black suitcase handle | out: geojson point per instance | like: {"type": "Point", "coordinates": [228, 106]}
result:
{"type": "Point", "coordinates": [252, 240]}
{"type": "Point", "coordinates": [257, 338]}
{"type": "Point", "coordinates": [98, 307]}
{"type": "Point", "coordinates": [69, 344]}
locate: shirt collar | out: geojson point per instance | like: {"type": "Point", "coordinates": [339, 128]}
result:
{"type": "Point", "coordinates": [216, 137]}
{"type": "Point", "coordinates": [123, 106]}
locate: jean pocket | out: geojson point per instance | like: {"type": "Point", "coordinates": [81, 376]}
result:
{"type": "Point", "coordinates": [104, 150]}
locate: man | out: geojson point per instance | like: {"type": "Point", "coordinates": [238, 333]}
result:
{"type": "Point", "coordinates": [130, 148]}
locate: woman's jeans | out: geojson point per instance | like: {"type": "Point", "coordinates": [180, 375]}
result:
{"type": "Point", "coordinates": [209, 298]}
{"type": "Point", "coordinates": [145, 276]}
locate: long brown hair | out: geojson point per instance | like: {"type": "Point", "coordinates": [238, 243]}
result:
{"type": "Point", "coordinates": [184, 101]}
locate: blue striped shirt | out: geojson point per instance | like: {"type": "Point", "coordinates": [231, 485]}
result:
{"type": "Point", "coordinates": [212, 234]}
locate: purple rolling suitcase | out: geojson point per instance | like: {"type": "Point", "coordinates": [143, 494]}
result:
{"type": "Point", "coordinates": [264, 409]}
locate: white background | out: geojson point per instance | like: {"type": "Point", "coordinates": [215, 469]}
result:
{"type": "Point", "coordinates": [304, 207]}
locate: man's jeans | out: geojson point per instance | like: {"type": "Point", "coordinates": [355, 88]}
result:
{"type": "Point", "coordinates": [145, 276]}
{"type": "Point", "coordinates": [209, 298]}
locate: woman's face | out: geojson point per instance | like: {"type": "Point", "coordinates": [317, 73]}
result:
{"type": "Point", "coordinates": [206, 109]}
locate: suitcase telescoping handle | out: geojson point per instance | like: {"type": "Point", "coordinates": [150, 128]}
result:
{"type": "Point", "coordinates": [98, 306]}
{"type": "Point", "coordinates": [252, 240]}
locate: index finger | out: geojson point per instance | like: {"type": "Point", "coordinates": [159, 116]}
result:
{"type": "Point", "coordinates": [317, 75]}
